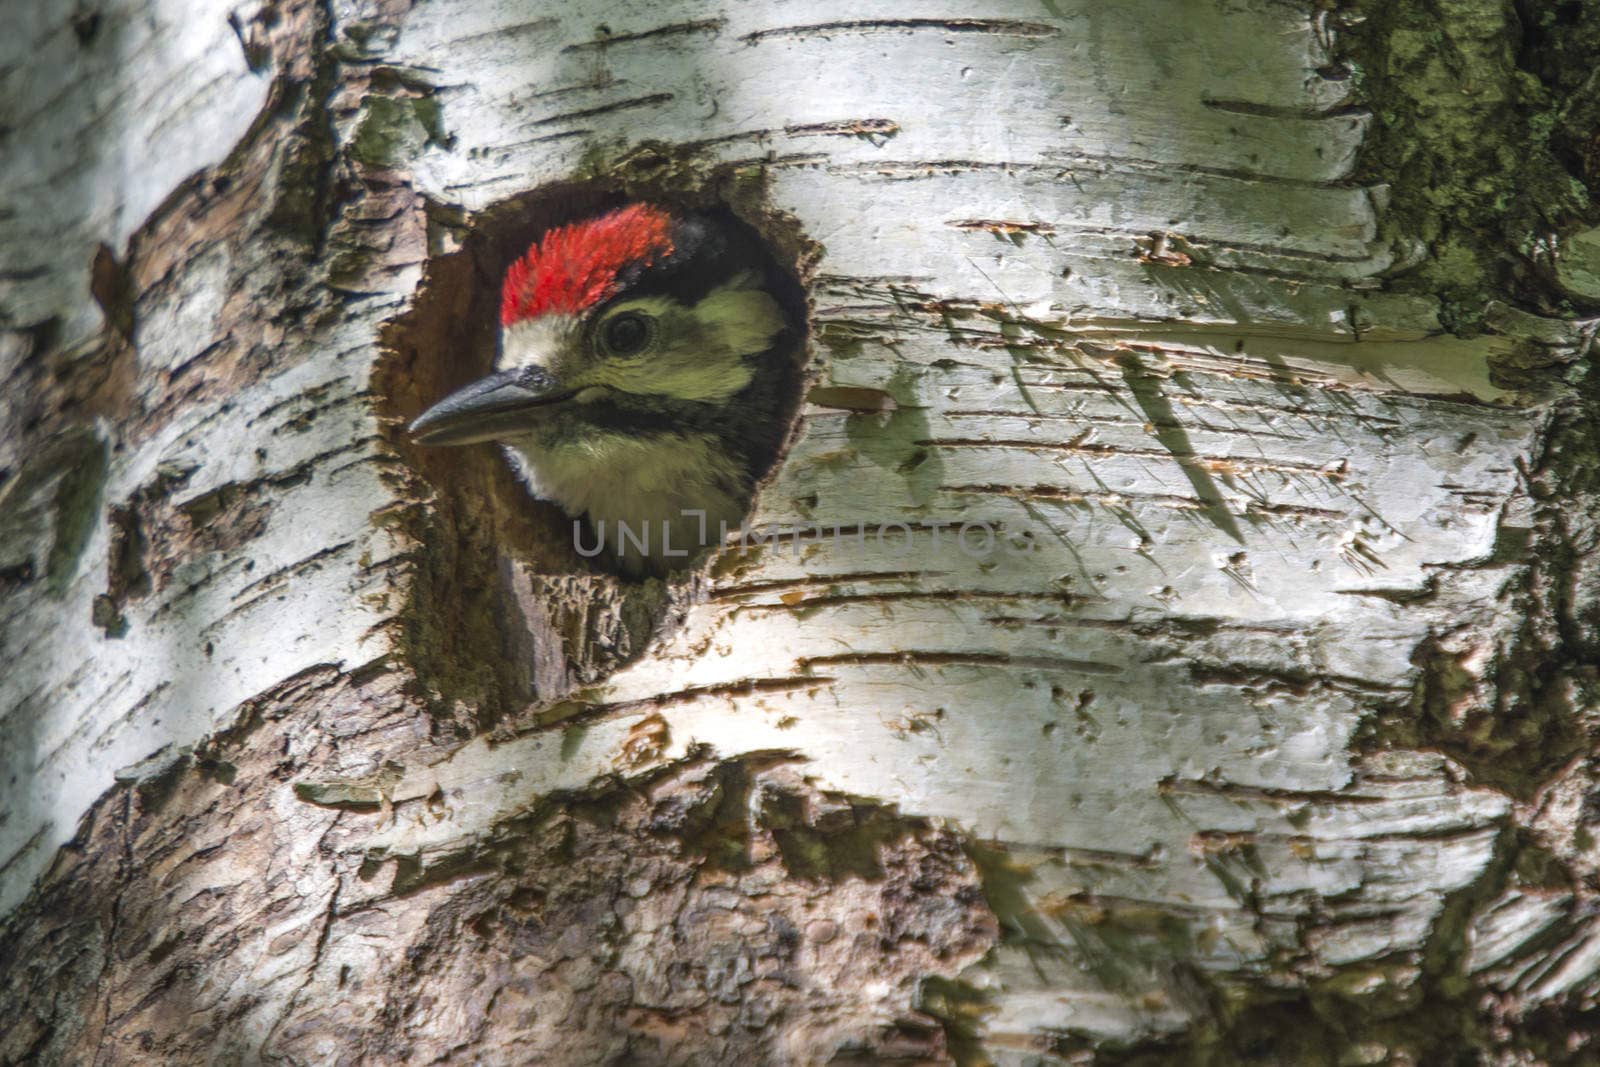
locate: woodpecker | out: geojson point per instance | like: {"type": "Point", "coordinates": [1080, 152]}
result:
{"type": "Point", "coordinates": [643, 380]}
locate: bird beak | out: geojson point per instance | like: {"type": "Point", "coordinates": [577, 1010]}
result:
{"type": "Point", "coordinates": [501, 405]}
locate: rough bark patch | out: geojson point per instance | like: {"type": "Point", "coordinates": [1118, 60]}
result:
{"type": "Point", "coordinates": [717, 912]}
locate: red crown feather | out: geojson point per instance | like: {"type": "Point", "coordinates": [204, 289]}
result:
{"type": "Point", "coordinates": [574, 267]}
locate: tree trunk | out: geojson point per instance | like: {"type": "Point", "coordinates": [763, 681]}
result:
{"type": "Point", "coordinates": [1180, 645]}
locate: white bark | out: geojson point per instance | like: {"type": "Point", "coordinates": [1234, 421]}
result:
{"type": "Point", "coordinates": [1109, 263]}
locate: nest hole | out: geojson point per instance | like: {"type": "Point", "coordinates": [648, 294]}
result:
{"type": "Point", "coordinates": [505, 615]}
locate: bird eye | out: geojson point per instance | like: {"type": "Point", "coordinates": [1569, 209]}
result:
{"type": "Point", "coordinates": [627, 334]}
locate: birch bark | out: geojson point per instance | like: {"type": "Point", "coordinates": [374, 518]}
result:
{"type": "Point", "coordinates": [1187, 655]}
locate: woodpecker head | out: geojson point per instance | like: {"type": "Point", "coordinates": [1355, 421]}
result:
{"type": "Point", "coordinates": [645, 369]}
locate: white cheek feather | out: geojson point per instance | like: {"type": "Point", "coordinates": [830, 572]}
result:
{"type": "Point", "coordinates": [733, 321]}
{"type": "Point", "coordinates": [744, 320]}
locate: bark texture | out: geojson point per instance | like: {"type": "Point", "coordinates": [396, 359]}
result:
{"type": "Point", "coordinates": [1251, 716]}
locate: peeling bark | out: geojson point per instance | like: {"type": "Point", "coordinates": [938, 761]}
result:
{"type": "Point", "coordinates": [1227, 372]}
